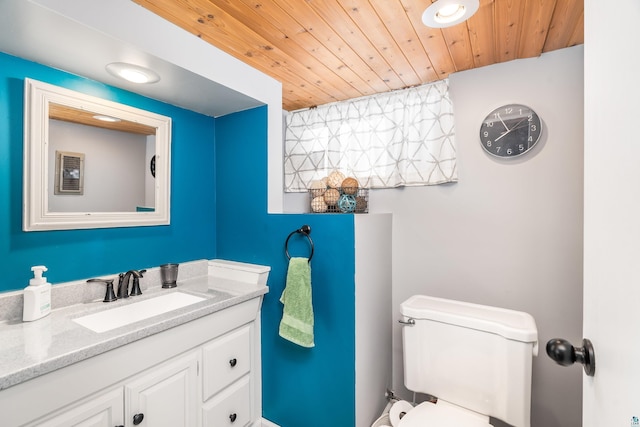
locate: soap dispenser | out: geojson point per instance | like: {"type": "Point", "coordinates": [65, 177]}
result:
{"type": "Point", "coordinates": [37, 296]}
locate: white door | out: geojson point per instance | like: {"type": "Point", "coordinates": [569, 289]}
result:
{"type": "Point", "coordinates": [612, 212]}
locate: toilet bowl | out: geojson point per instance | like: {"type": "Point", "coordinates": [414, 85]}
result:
{"type": "Point", "coordinates": [443, 414]}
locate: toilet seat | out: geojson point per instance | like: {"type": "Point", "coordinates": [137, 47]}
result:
{"type": "Point", "coordinates": [443, 414]}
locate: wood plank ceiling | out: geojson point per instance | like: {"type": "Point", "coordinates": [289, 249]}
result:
{"type": "Point", "coordinates": [330, 50]}
{"type": "Point", "coordinates": [88, 118]}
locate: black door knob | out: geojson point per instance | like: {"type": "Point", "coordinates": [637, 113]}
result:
{"type": "Point", "coordinates": [233, 417]}
{"type": "Point", "coordinates": [233, 362]}
{"type": "Point", "coordinates": [561, 351]}
{"type": "Point", "coordinates": [137, 419]}
{"type": "Point", "coordinates": [565, 354]}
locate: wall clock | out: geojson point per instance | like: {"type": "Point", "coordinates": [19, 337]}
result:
{"type": "Point", "coordinates": [510, 131]}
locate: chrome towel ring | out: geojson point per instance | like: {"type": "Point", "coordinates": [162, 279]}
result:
{"type": "Point", "coordinates": [305, 230]}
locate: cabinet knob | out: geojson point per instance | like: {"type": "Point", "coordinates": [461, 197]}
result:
{"type": "Point", "coordinates": [137, 419]}
{"type": "Point", "coordinates": [233, 417]}
{"type": "Point", "coordinates": [233, 362]}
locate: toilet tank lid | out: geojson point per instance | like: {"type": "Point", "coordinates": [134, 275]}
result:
{"type": "Point", "coordinates": [242, 266]}
{"type": "Point", "coordinates": [511, 324]}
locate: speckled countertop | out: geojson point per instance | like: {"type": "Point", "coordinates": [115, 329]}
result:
{"type": "Point", "coordinates": [30, 349]}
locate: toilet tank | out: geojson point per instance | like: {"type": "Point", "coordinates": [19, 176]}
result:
{"type": "Point", "coordinates": [471, 355]}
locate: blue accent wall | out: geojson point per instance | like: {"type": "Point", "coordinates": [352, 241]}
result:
{"type": "Point", "coordinates": [78, 254]}
{"type": "Point", "coordinates": [309, 387]}
{"type": "Point", "coordinates": [218, 210]}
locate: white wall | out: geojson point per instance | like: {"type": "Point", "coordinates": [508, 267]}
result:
{"type": "Point", "coordinates": [373, 330]}
{"type": "Point", "coordinates": [509, 233]}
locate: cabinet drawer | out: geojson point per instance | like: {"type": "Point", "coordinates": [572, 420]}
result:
{"type": "Point", "coordinates": [226, 359]}
{"type": "Point", "coordinates": [232, 407]}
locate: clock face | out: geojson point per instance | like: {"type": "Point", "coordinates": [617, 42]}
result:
{"type": "Point", "coordinates": [510, 131]}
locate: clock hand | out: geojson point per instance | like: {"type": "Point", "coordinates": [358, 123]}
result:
{"type": "Point", "coordinates": [503, 135]}
{"type": "Point", "coordinates": [519, 127]}
{"type": "Point", "coordinates": [503, 124]}
{"type": "Point", "coordinates": [518, 124]}
{"type": "Point", "coordinates": [509, 130]}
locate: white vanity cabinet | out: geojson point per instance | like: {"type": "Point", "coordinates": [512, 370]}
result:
{"type": "Point", "coordinates": [105, 410]}
{"type": "Point", "coordinates": [205, 372]}
{"type": "Point", "coordinates": [165, 396]}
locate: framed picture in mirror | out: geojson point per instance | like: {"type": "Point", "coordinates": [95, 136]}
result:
{"type": "Point", "coordinates": [69, 176]}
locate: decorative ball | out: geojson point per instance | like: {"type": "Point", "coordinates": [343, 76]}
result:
{"type": "Point", "coordinates": [318, 204]}
{"type": "Point", "coordinates": [324, 181]}
{"type": "Point", "coordinates": [350, 186]}
{"type": "Point", "coordinates": [335, 179]}
{"type": "Point", "coordinates": [361, 204]}
{"type": "Point", "coordinates": [317, 188]}
{"type": "Point", "coordinates": [347, 203]}
{"type": "Point", "coordinates": [331, 196]}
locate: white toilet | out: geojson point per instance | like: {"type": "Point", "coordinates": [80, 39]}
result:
{"type": "Point", "coordinates": [475, 359]}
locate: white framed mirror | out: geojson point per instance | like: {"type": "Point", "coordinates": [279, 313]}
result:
{"type": "Point", "coordinates": [83, 172]}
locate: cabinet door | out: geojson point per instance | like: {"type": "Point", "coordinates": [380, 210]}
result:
{"type": "Point", "coordinates": [165, 396]}
{"type": "Point", "coordinates": [106, 410]}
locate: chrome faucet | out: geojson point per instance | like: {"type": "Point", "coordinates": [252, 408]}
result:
{"type": "Point", "coordinates": [123, 283]}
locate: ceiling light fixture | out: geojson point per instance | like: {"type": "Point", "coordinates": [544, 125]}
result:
{"type": "Point", "coordinates": [132, 73]}
{"type": "Point", "coordinates": [106, 118]}
{"type": "Point", "coordinates": [447, 13]}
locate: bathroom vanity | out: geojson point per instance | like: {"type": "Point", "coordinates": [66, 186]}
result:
{"type": "Point", "coordinates": [198, 365]}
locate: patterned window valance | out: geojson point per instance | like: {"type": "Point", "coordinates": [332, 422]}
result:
{"type": "Point", "coordinates": [393, 139]}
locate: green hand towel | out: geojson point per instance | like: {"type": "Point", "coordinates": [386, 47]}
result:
{"type": "Point", "coordinates": [297, 315]}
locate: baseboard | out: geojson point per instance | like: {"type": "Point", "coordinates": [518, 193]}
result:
{"type": "Point", "coordinates": [267, 423]}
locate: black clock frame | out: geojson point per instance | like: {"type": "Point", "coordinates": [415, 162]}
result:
{"type": "Point", "coordinates": [510, 131]}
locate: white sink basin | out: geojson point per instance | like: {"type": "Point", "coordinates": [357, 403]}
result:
{"type": "Point", "coordinates": [121, 316]}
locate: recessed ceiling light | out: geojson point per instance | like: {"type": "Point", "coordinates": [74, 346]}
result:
{"type": "Point", "coordinates": [132, 73]}
{"type": "Point", "coordinates": [106, 118]}
{"type": "Point", "coordinates": [446, 13]}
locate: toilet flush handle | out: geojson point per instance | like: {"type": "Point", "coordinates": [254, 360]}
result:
{"type": "Point", "coordinates": [565, 354]}
{"type": "Point", "coordinates": [408, 322]}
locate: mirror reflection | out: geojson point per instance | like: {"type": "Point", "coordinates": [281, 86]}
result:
{"type": "Point", "coordinates": [110, 157]}
{"type": "Point", "coordinates": [92, 163]}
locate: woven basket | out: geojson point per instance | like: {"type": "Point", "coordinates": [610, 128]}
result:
{"type": "Point", "coordinates": [359, 197]}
